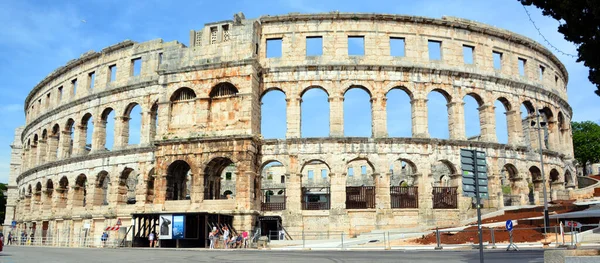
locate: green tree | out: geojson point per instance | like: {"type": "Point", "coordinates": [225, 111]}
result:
{"type": "Point", "coordinates": [580, 24]}
{"type": "Point", "coordinates": [586, 142]}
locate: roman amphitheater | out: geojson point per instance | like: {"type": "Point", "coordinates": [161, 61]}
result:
{"type": "Point", "coordinates": [201, 153]}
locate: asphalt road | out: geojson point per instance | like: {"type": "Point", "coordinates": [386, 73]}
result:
{"type": "Point", "coordinates": [91, 255]}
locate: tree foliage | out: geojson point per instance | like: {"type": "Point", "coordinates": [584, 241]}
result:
{"type": "Point", "coordinates": [586, 142]}
{"type": "Point", "coordinates": [580, 24]}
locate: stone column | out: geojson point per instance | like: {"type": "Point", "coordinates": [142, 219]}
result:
{"type": "Point", "coordinates": [487, 120]}
{"type": "Point", "coordinates": [79, 140]}
{"type": "Point", "coordinates": [33, 156]}
{"type": "Point", "coordinates": [533, 133]}
{"type": "Point", "coordinates": [425, 197]}
{"type": "Point", "coordinates": [379, 117]}
{"type": "Point", "coordinates": [51, 153]}
{"type": "Point", "coordinates": [147, 128]}
{"type": "Point", "coordinates": [336, 116]}
{"type": "Point", "coordinates": [419, 118]}
{"type": "Point", "coordinates": [293, 193]}
{"type": "Point", "coordinates": [41, 148]}
{"type": "Point", "coordinates": [245, 188]}
{"type": "Point", "coordinates": [382, 190]}
{"type": "Point", "coordinates": [293, 117]}
{"type": "Point", "coordinates": [197, 194]}
{"type": "Point", "coordinates": [338, 191]}
{"type": "Point", "coordinates": [99, 136]}
{"type": "Point", "coordinates": [25, 158]}
{"type": "Point", "coordinates": [121, 132]}
{"type": "Point", "coordinates": [160, 189]}
{"type": "Point", "coordinates": [65, 145]}
{"type": "Point", "coordinates": [456, 120]}
{"type": "Point", "coordinates": [514, 127]}
{"type": "Point", "coordinates": [553, 142]}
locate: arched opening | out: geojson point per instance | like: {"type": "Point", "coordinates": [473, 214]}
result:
{"type": "Point", "coordinates": [472, 103]}
{"type": "Point", "coordinates": [34, 151]}
{"type": "Point", "coordinates": [179, 178]}
{"type": "Point", "coordinates": [554, 179]}
{"type": "Point", "coordinates": [445, 190]}
{"type": "Point", "coordinates": [549, 128]}
{"type": "Point", "coordinates": [360, 184]}
{"type": "Point", "coordinates": [536, 182]}
{"type": "Point", "coordinates": [183, 104]}
{"type": "Point", "coordinates": [357, 112]}
{"type": "Point", "coordinates": [528, 117]}
{"type": "Point", "coordinates": [219, 176]}
{"type": "Point", "coordinates": [314, 116]}
{"type": "Point", "coordinates": [273, 123]}
{"type": "Point", "coordinates": [63, 192]}
{"type": "Point", "coordinates": [127, 184]}
{"type": "Point", "coordinates": [108, 127]}
{"type": "Point", "coordinates": [569, 182]}
{"type": "Point", "coordinates": [224, 106]}
{"type": "Point", "coordinates": [315, 188]}
{"type": "Point", "coordinates": [399, 112]}
{"type": "Point", "coordinates": [53, 143]}
{"type": "Point", "coordinates": [28, 198]}
{"type": "Point", "coordinates": [43, 144]}
{"type": "Point", "coordinates": [49, 192]}
{"type": "Point", "coordinates": [437, 114]}
{"type": "Point", "coordinates": [502, 107]}
{"type": "Point", "coordinates": [80, 188]}
{"type": "Point", "coordinates": [102, 188]}
{"type": "Point", "coordinates": [69, 141]}
{"type": "Point", "coordinates": [562, 128]}
{"type": "Point", "coordinates": [273, 181]}
{"type": "Point", "coordinates": [132, 124]}
{"type": "Point", "coordinates": [150, 187]}
{"type": "Point", "coordinates": [511, 185]}
{"type": "Point", "coordinates": [223, 89]}
{"type": "Point", "coordinates": [87, 130]}
{"type": "Point", "coordinates": [37, 195]}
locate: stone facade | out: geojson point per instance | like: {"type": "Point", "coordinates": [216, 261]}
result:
{"type": "Point", "coordinates": [201, 147]}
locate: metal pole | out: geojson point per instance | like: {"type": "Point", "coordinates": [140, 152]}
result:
{"type": "Point", "coordinates": [493, 238]}
{"type": "Point", "coordinates": [546, 217]}
{"type": "Point", "coordinates": [478, 205]}
{"type": "Point", "coordinates": [342, 240]}
{"type": "Point", "coordinates": [303, 239]}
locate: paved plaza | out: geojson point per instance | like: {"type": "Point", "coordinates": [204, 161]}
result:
{"type": "Point", "coordinates": [66, 255]}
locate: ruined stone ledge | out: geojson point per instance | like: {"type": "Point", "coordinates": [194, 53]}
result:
{"type": "Point", "coordinates": [76, 159]}
{"type": "Point", "coordinates": [429, 70]}
{"type": "Point", "coordinates": [209, 65]}
{"type": "Point", "coordinates": [446, 21]}
{"type": "Point", "coordinates": [83, 100]}
{"type": "Point", "coordinates": [205, 139]}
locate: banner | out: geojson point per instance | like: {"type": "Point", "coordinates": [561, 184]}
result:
{"type": "Point", "coordinates": [165, 226]}
{"type": "Point", "coordinates": [178, 226]}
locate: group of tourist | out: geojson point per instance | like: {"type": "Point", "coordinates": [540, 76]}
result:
{"type": "Point", "coordinates": [13, 239]}
{"type": "Point", "coordinates": [236, 241]}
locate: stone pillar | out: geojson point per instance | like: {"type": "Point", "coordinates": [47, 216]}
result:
{"type": "Point", "coordinates": [293, 192]}
{"type": "Point", "coordinates": [25, 156]}
{"type": "Point", "coordinates": [160, 189]}
{"type": "Point", "coordinates": [456, 120]}
{"type": "Point", "coordinates": [147, 128]}
{"type": "Point", "coordinates": [553, 142]}
{"type": "Point", "coordinates": [121, 132]}
{"type": "Point", "coordinates": [65, 145]}
{"type": "Point", "coordinates": [487, 120]}
{"type": "Point", "coordinates": [425, 197]}
{"type": "Point", "coordinates": [51, 153]}
{"type": "Point", "coordinates": [197, 195]}
{"type": "Point", "coordinates": [99, 136]}
{"type": "Point", "coordinates": [293, 117]}
{"type": "Point", "coordinates": [245, 188]}
{"type": "Point", "coordinates": [79, 140]}
{"type": "Point", "coordinates": [514, 127]}
{"type": "Point", "coordinates": [382, 190]}
{"type": "Point", "coordinates": [533, 133]}
{"type": "Point", "coordinates": [338, 191]}
{"type": "Point", "coordinates": [419, 118]}
{"type": "Point", "coordinates": [33, 156]}
{"type": "Point", "coordinates": [379, 117]}
{"type": "Point", "coordinates": [336, 116]}
{"type": "Point", "coordinates": [41, 148]}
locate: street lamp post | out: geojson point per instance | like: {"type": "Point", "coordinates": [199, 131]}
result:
{"type": "Point", "coordinates": [539, 128]}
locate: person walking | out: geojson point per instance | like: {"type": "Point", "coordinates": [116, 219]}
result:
{"type": "Point", "coordinates": [103, 238]}
{"type": "Point", "coordinates": [151, 238]}
{"type": "Point", "coordinates": [211, 238]}
{"type": "Point", "coordinates": [10, 237]}
{"type": "Point", "coordinates": [245, 237]}
{"type": "Point", "coordinates": [225, 236]}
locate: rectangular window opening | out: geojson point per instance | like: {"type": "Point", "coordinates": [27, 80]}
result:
{"type": "Point", "coordinates": [350, 171]}
{"type": "Point", "coordinates": [522, 63]}
{"type": "Point", "coordinates": [112, 70]}
{"type": "Point", "coordinates": [468, 54]}
{"type": "Point", "coordinates": [542, 70]}
{"type": "Point", "coordinates": [556, 80]}
{"type": "Point", "coordinates": [92, 79]}
{"type": "Point", "coordinates": [323, 173]}
{"type": "Point", "coordinates": [74, 84]}
{"type": "Point", "coordinates": [435, 49]}
{"type": "Point", "coordinates": [228, 176]}
{"type": "Point", "coordinates": [397, 47]}
{"type": "Point", "coordinates": [60, 93]}
{"type": "Point", "coordinates": [363, 170]}
{"type": "Point", "coordinates": [497, 60]}
{"type": "Point", "coordinates": [160, 58]}
{"type": "Point", "coordinates": [136, 66]}
{"type": "Point", "coordinates": [356, 45]}
{"type": "Point", "coordinates": [274, 46]}
{"type": "Point", "coordinates": [314, 46]}
{"type": "Point", "coordinates": [311, 174]}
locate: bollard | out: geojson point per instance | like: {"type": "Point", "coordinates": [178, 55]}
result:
{"type": "Point", "coordinates": [438, 239]}
{"type": "Point", "coordinates": [556, 234]}
{"type": "Point", "coordinates": [388, 239]}
{"type": "Point", "coordinates": [342, 240]}
{"type": "Point", "coordinates": [303, 239]}
{"type": "Point", "coordinates": [493, 238]}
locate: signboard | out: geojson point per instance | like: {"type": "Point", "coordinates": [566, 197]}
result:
{"type": "Point", "coordinates": [178, 226]}
{"type": "Point", "coordinates": [509, 225]}
{"type": "Point", "coordinates": [573, 224]}
{"type": "Point", "coordinates": [13, 224]}
{"type": "Point", "coordinates": [165, 223]}
{"type": "Point", "coordinates": [86, 225]}
{"type": "Point", "coordinates": [119, 222]}
{"type": "Point", "coordinates": [474, 173]}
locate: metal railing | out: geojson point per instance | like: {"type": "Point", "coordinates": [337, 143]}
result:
{"type": "Point", "coordinates": [272, 206]}
{"type": "Point", "coordinates": [315, 198]}
{"type": "Point", "coordinates": [445, 197]}
{"type": "Point", "coordinates": [404, 196]}
{"type": "Point", "coordinates": [360, 197]}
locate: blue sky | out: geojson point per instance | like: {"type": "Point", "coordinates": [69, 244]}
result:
{"type": "Point", "coordinates": [37, 37]}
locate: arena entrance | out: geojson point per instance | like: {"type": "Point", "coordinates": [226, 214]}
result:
{"type": "Point", "coordinates": [272, 227]}
{"type": "Point", "coordinates": [178, 230]}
